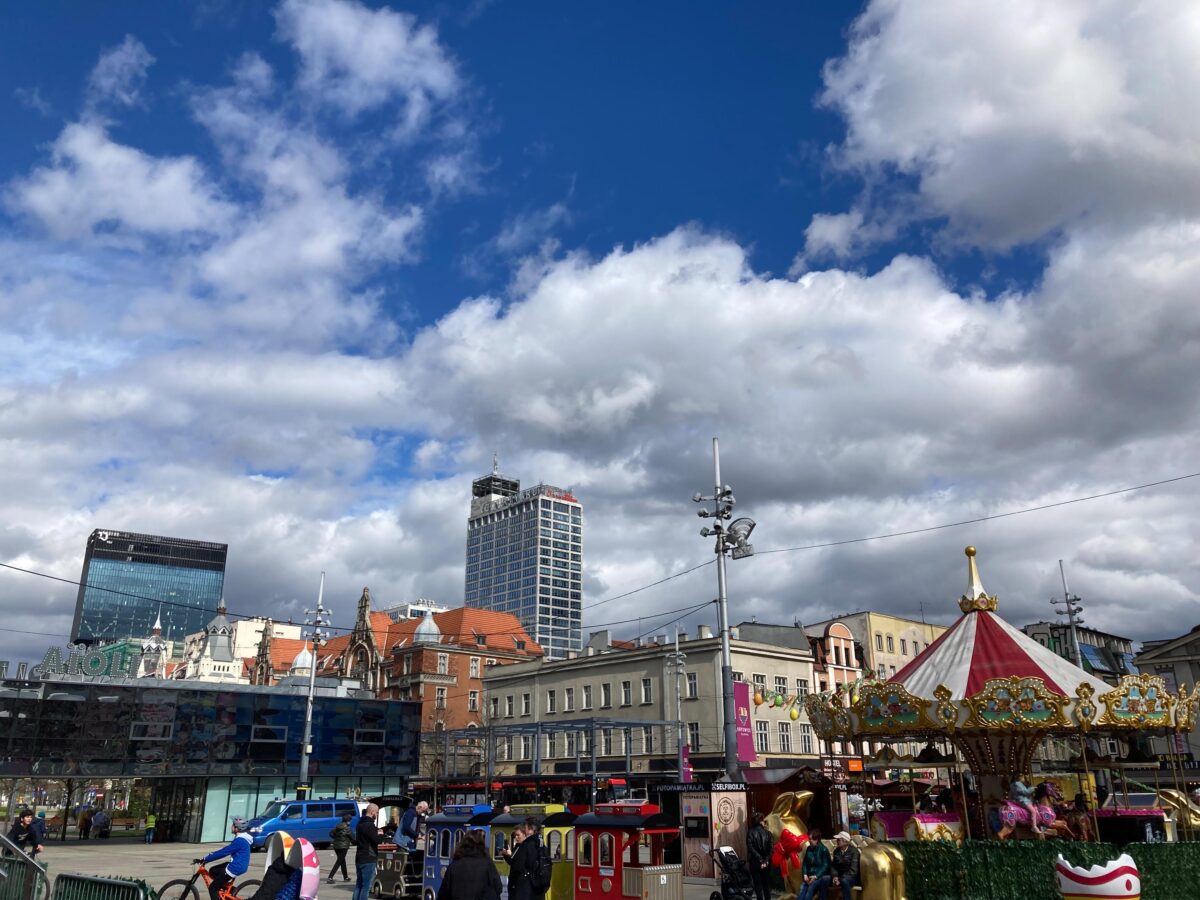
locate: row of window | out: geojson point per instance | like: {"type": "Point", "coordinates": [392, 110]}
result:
{"type": "Point", "coordinates": [891, 644]}
{"type": "Point", "coordinates": [762, 738]}
{"type": "Point", "coordinates": [781, 686]}
{"type": "Point", "coordinates": [586, 697]}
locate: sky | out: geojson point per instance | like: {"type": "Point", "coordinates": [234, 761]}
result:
{"type": "Point", "coordinates": [287, 276]}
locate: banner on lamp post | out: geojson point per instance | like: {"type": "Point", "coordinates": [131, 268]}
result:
{"type": "Point", "coordinates": [745, 731]}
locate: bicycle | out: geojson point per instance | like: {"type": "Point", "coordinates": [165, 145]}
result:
{"type": "Point", "coordinates": [185, 888]}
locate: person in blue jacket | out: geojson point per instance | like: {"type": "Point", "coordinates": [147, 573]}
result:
{"type": "Point", "coordinates": [238, 851]}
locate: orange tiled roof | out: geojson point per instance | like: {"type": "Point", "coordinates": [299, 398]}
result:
{"type": "Point", "coordinates": [463, 626]}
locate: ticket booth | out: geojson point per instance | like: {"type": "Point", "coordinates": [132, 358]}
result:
{"type": "Point", "coordinates": [619, 851]}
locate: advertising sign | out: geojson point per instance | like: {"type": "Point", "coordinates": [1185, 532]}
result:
{"type": "Point", "coordinates": [745, 731]}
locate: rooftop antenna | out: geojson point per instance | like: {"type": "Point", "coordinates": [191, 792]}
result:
{"type": "Point", "coordinates": [495, 463]}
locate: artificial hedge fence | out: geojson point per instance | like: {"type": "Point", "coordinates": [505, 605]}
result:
{"type": "Point", "coordinates": [1024, 870]}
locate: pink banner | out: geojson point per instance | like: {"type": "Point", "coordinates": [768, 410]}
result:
{"type": "Point", "coordinates": [745, 730]}
{"type": "Point", "coordinates": [685, 777]}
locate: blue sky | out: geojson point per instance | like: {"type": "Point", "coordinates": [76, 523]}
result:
{"type": "Point", "coordinates": [287, 275]}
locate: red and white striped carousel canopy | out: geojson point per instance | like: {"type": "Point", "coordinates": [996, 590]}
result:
{"type": "Point", "coordinates": [981, 646]}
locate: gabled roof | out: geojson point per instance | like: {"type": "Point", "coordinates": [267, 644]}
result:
{"type": "Point", "coordinates": [1159, 649]}
{"type": "Point", "coordinates": [283, 651]}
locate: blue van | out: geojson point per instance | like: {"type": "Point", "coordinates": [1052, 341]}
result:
{"type": "Point", "coordinates": [309, 819]}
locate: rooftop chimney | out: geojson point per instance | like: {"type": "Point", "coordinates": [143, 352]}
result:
{"type": "Point", "coordinates": [706, 632]}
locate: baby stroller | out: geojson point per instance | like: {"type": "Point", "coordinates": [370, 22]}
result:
{"type": "Point", "coordinates": [736, 883]}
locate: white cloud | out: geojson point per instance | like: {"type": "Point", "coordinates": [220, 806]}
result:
{"type": "Point", "coordinates": [1022, 118]}
{"type": "Point", "coordinates": [355, 59]}
{"type": "Point", "coordinates": [120, 75]}
{"type": "Point", "coordinates": [96, 184]}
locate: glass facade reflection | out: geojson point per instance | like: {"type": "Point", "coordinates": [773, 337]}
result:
{"type": "Point", "coordinates": [129, 578]}
{"type": "Point", "coordinates": [151, 729]}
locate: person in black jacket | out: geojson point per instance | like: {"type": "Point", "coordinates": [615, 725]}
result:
{"type": "Point", "coordinates": [366, 857]}
{"type": "Point", "coordinates": [522, 863]}
{"type": "Point", "coordinates": [845, 863]}
{"type": "Point", "coordinates": [27, 833]}
{"type": "Point", "coordinates": [758, 856]}
{"type": "Point", "coordinates": [471, 875]}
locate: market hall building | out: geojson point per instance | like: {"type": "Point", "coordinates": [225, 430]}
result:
{"type": "Point", "coordinates": [209, 751]}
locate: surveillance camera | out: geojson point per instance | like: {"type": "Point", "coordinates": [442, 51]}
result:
{"type": "Point", "coordinates": [697, 497]}
{"type": "Point", "coordinates": [705, 532]}
{"type": "Point", "coordinates": [703, 513]}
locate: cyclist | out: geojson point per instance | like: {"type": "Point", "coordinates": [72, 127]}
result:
{"type": "Point", "coordinates": [238, 851]}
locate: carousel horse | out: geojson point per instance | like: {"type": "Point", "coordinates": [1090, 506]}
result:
{"type": "Point", "coordinates": [880, 866]}
{"type": "Point", "coordinates": [1013, 814]}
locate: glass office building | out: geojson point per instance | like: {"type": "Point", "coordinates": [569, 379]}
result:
{"type": "Point", "coordinates": [525, 557]}
{"type": "Point", "coordinates": [129, 578]}
{"type": "Point", "coordinates": [209, 751]}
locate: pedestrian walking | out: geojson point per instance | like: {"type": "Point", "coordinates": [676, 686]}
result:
{"type": "Point", "coordinates": [102, 824]}
{"type": "Point", "coordinates": [366, 855]}
{"type": "Point", "coordinates": [471, 875]}
{"type": "Point", "coordinates": [28, 833]}
{"type": "Point", "coordinates": [85, 824]}
{"type": "Point", "coordinates": [528, 878]}
{"type": "Point", "coordinates": [758, 856]}
{"type": "Point", "coordinates": [343, 840]}
{"type": "Point", "coordinates": [151, 821]}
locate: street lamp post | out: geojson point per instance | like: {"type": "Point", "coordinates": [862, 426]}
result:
{"type": "Point", "coordinates": [731, 538]}
{"type": "Point", "coordinates": [676, 662]}
{"type": "Point", "coordinates": [318, 621]}
{"type": "Point", "coordinates": [1073, 608]}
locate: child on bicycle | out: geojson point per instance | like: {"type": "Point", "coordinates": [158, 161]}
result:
{"type": "Point", "coordinates": [238, 851]}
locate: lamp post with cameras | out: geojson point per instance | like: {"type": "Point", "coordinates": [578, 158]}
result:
{"type": "Point", "coordinates": [318, 621]}
{"type": "Point", "coordinates": [733, 539]}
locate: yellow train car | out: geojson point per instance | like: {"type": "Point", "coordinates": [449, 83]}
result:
{"type": "Point", "coordinates": [557, 834]}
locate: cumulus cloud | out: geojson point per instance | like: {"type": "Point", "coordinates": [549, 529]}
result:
{"type": "Point", "coordinates": [356, 59]}
{"type": "Point", "coordinates": [1021, 119]}
{"type": "Point", "coordinates": [120, 75]}
{"type": "Point", "coordinates": [94, 183]}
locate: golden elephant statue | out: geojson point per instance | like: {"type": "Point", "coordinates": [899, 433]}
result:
{"type": "Point", "coordinates": [880, 865]}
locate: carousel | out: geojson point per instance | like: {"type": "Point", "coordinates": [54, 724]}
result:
{"type": "Point", "coordinates": [992, 696]}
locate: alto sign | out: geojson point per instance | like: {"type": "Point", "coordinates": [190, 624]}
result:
{"type": "Point", "coordinates": [88, 664]}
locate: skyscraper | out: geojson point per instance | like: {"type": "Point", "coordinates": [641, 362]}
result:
{"type": "Point", "coordinates": [129, 578]}
{"type": "Point", "coordinates": [525, 557]}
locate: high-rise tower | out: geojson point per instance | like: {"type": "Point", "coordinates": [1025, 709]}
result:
{"type": "Point", "coordinates": [525, 557]}
{"type": "Point", "coordinates": [130, 579]}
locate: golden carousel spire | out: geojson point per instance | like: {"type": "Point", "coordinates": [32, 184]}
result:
{"type": "Point", "coordinates": [976, 599]}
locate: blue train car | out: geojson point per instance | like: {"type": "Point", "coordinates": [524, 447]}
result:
{"type": "Point", "coordinates": [443, 831]}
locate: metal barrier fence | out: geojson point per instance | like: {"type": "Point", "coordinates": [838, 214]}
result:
{"type": "Point", "coordinates": [21, 877]}
{"type": "Point", "coordinates": [69, 886]}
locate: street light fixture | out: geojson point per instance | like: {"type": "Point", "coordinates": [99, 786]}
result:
{"type": "Point", "coordinates": [318, 621]}
{"type": "Point", "coordinates": [730, 539]}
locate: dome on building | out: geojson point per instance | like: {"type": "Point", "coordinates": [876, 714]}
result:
{"type": "Point", "coordinates": [303, 661]}
{"type": "Point", "coordinates": [427, 632]}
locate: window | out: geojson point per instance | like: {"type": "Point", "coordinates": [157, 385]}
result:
{"type": "Point", "coordinates": [760, 683]}
{"type": "Point", "coordinates": [569, 700]}
{"type": "Point", "coordinates": [525, 704]}
{"type": "Point", "coordinates": [439, 701]}
{"type": "Point", "coordinates": [762, 737]}
{"type": "Point", "coordinates": [551, 701]}
{"type": "Point", "coordinates": [407, 667]}
{"type": "Point", "coordinates": [837, 654]}
{"type": "Point", "coordinates": [554, 844]}
{"type": "Point", "coordinates": [605, 848]}
{"type": "Point", "coordinates": [368, 736]}
{"type": "Point", "coordinates": [648, 739]}
{"type": "Point", "coordinates": [693, 738]}
{"type": "Point", "coordinates": [806, 739]}
{"type": "Point", "coordinates": [882, 672]}
{"type": "Point", "coordinates": [878, 641]}
{"type": "Point", "coordinates": [903, 647]}
{"type": "Point", "coordinates": [891, 644]}
{"type": "Point", "coordinates": [472, 701]}
{"type": "Point", "coordinates": [296, 811]}
{"type": "Point", "coordinates": [498, 844]}
{"type": "Point", "coordinates": [801, 688]}
{"type": "Point", "coordinates": [647, 691]}
{"type": "Point", "coordinates": [495, 707]}
{"type": "Point", "coordinates": [605, 696]}
{"type": "Point", "coordinates": [785, 737]}
{"type": "Point", "coordinates": [780, 684]}
{"type": "Point", "coordinates": [693, 686]}
{"type": "Point", "coordinates": [474, 666]}
{"type": "Point", "coordinates": [892, 670]}
{"type": "Point", "coordinates": [739, 676]}
{"type": "Point", "coordinates": [508, 706]}
{"type": "Point", "coordinates": [526, 747]}
{"type": "Point", "coordinates": [551, 745]}
{"type": "Point", "coordinates": [587, 696]}
{"type": "Point", "coordinates": [443, 664]}
{"type": "Point", "coordinates": [162, 731]}
{"type": "Point", "coordinates": [572, 743]}
{"type": "Point", "coordinates": [606, 742]}
{"type": "Point", "coordinates": [585, 849]}
{"type": "Point", "coordinates": [444, 848]}
{"type": "Point", "coordinates": [626, 693]}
